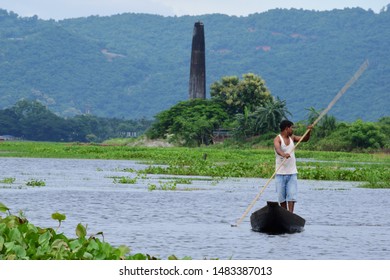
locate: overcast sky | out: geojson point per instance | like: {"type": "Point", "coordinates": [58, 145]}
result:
{"type": "Point", "coordinates": [60, 9]}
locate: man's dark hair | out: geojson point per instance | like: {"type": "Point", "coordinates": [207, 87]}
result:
{"type": "Point", "coordinates": [284, 124]}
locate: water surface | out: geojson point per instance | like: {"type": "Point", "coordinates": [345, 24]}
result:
{"type": "Point", "coordinates": [342, 221]}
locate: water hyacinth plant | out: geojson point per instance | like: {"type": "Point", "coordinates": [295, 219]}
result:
{"type": "Point", "coordinates": [21, 240]}
{"type": "Point", "coordinates": [125, 180]}
{"type": "Point", "coordinates": [35, 183]}
{"type": "Point", "coordinates": [221, 161]}
{"type": "Point", "coordinates": [164, 186]}
{"type": "Point", "coordinates": [8, 180]}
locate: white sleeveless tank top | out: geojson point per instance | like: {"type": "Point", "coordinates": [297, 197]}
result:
{"type": "Point", "coordinates": [289, 166]}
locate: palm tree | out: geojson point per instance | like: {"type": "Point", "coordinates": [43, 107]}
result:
{"type": "Point", "coordinates": [268, 117]}
{"type": "Point", "coordinates": [312, 115]}
{"type": "Point", "coordinates": [326, 125]}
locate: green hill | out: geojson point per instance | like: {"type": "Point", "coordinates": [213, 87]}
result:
{"type": "Point", "coordinates": [135, 65]}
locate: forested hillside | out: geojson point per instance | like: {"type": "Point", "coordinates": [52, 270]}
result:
{"type": "Point", "coordinates": [136, 65]}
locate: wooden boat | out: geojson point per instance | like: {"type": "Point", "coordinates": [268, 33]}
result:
{"type": "Point", "coordinates": [274, 219]}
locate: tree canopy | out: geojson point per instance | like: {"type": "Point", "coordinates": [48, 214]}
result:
{"type": "Point", "coordinates": [31, 120]}
{"type": "Point", "coordinates": [244, 106]}
{"type": "Point", "coordinates": [235, 94]}
{"type": "Point", "coordinates": [190, 123]}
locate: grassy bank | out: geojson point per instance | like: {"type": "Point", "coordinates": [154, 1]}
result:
{"type": "Point", "coordinates": [219, 161]}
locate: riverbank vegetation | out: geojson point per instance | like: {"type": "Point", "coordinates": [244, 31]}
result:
{"type": "Point", "coordinates": [242, 111]}
{"type": "Point", "coordinates": [245, 112]}
{"type": "Point", "coordinates": [219, 161]}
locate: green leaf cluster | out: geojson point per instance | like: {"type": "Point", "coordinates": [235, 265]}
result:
{"type": "Point", "coordinates": [21, 240]}
{"type": "Point", "coordinates": [331, 135]}
{"type": "Point", "coordinates": [250, 92]}
{"type": "Point", "coordinates": [190, 123]}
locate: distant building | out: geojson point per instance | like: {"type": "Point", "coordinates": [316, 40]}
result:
{"type": "Point", "coordinates": [197, 85]}
{"type": "Point", "coordinates": [219, 135]}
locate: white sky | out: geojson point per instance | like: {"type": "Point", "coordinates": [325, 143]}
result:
{"type": "Point", "coordinates": [60, 9]}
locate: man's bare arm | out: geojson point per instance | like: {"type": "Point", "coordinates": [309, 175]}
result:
{"type": "Point", "coordinates": [278, 149]}
{"type": "Point", "coordinates": [306, 138]}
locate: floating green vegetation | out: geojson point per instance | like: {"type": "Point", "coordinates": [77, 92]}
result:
{"type": "Point", "coordinates": [36, 183]}
{"type": "Point", "coordinates": [375, 185]}
{"type": "Point", "coordinates": [375, 181]}
{"type": "Point", "coordinates": [125, 180]}
{"type": "Point", "coordinates": [219, 170]}
{"type": "Point", "coordinates": [21, 240]}
{"type": "Point", "coordinates": [163, 186]}
{"type": "Point", "coordinates": [179, 180]}
{"type": "Point", "coordinates": [141, 174]}
{"type": "Point", "coordinates": [221, 161]}
{"type": "Point", "coordinates": [128, 180]}
{"type": "Point", "coordinates": [8, 180]}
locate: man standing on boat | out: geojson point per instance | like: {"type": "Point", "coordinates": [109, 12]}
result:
{"type": "Point", "coordinates": [286, 168]}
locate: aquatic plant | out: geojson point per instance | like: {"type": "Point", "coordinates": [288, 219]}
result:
{"type": "Point", "coordinates": [35, 183]}
{"type": "Point", "coordinates": [125, 180]}
{"type": "Point", "coordinates": [21, 240]}
{"type": "Point", "coordinates": [375, 185]}
{"type": "Point", "coordinates": [8, 180]}
{"type": "Point", "coordinates": [164, 186]}
{"type": "Point", "coordinates": [152, 187]}
{"type": "Point", "coordinates": [59, 217]}
{"type": "Point", "coordinates": [221, 161]}
{"type": "Point", "coordinates": [377, 180]}
{"type": "Point", "coordinates": [168, 186]}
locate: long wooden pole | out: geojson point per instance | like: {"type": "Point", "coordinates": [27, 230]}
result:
{"type": "Point", "coordinates": [354, 78]}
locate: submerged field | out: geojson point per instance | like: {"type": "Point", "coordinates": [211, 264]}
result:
{"type": "Point", "coordinates": [373, 170]}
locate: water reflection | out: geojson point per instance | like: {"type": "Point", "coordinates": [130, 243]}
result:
{"type": "Point", "coordinates": [342, 221]}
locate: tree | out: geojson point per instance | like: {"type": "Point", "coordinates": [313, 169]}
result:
{"type": "Point", "coordinates": [236, 95]}
{"type": "Point", "coordinates": [264, 119]}
{"type": "Point", "coordinates": [312, 115]}
{"type": "Point", "coordinates": [33, 121]}
{"type": "Point", "coordinates": [326, 125]}
{"type": "Point", "coordinates": [366, 135]}
{"type": "Point", "coordinates": [189, 122]}
{"type": "Point", "coordinates": [36, 122]}
{"type": "Point", "coordinates": [384, 124]}
{"type": "Point", "coordinates": [9, 123]}
{"type": "Point", "coordinates": [268, 117]}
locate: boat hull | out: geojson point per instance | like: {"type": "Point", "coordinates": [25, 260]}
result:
{"type": "Point", "coordinates": [274, 219]}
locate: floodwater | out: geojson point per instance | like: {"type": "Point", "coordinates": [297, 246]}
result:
{"type": "Point", "coordinates": [342, 221]}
